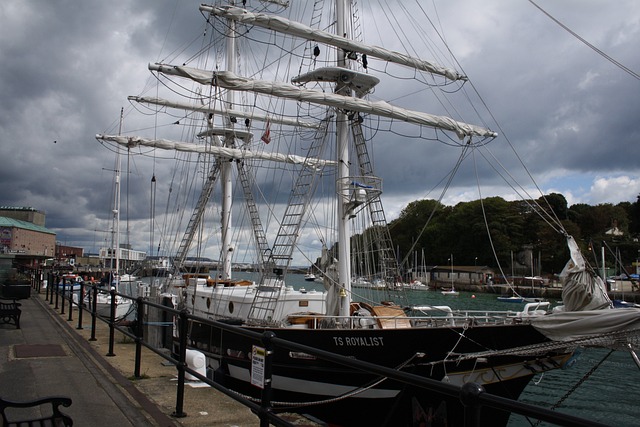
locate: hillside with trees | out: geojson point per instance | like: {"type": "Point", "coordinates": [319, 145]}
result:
{"type": "Point", "coordinates": [481, 231]}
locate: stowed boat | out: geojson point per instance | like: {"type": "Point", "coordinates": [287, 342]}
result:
{"type": "Point", "coordinates": [324, 117]}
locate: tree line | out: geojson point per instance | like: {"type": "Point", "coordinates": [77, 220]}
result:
{"type": "Point", "coordinates": [493, 230]}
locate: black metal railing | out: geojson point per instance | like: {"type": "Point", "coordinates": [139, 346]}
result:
{"type": "Point", "coordinates": [471, 395]}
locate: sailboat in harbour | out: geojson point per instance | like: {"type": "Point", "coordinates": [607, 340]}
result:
{"type": "Point", "coordinates": [324, 114]}
{"type": "Point", "coordinates": [120, 305]}
{"type": "Point", "coordinates": [452, 291]}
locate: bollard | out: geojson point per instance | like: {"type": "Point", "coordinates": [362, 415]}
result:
{"type": "Point", "coordinates": [139, 336]}
{"type": "Point", "coordinates": [182, 363]}
{"type": "Point", "coordinates": [112, 322]}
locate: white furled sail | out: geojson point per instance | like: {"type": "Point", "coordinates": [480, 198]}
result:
{"type": "Point", "coordinates": [587, 309]}
{"type": "Point", "coordinates": [216, 110]}
{"type": "Point", "coordinates": [286, 26]}
{"type": "Point", "coordinates": [227, 152]}
{"type": "Point", "coordinates": [615, 327]}
{"type": "Point", "coordinates": [232, 81]}
{"type": "Point", "coordinates": [581, 290]}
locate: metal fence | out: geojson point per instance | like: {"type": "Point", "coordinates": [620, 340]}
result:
{"type": "Point", "coordinates": [472, 395]}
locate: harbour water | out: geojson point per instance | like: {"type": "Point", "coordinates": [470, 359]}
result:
{"type": "Point", "coordinates": [600, 390]}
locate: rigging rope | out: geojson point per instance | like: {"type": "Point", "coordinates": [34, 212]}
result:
{"type": "Point", "coordinates": [576, 385]}
{"type": "Point", "coordinates": [613, 340]}
{"type": "Point", "coordinates": [595, 49]}
{"type": "Point", "coordinates": [343, 396]}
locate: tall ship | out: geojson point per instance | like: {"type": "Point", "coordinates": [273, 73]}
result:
{"type": "Point", "coordinates": [268, 126]}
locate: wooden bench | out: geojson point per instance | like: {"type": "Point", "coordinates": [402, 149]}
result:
{"type": "Point", "coordinates": [10, 312]}
{"type": "Point", "coordinates": [17, 414]}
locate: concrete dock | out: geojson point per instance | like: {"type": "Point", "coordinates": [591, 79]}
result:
{"type": "Point", "coordinates": [49, 356]}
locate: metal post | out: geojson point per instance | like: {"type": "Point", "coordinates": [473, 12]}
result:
{"type": "Point", "coordinates": [139, 336]}
{"type": "Point", "coordinates": [112, 322]}
{"type": "Point", "coordinates": [268, 371]}
{"type": "Point", "coordinates": [64, 291]}
{"type": "Point", "coordinates": [49, 280]}
{"type": "Point", "coordinates": [94, 301]}
{"type": "Point", "coordinates": [469, 393]}
{"type": "Point", "coordinates": [57, 292]}
{"type": "Point", "coordinates": [70, 318]}
{"type": "Point", "coordinates": [182, 363]}
{"type": "Point", "coordinates": [80, 305]}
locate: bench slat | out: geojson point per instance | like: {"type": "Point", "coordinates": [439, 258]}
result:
{"type": "Point", "coordinates": [56, 419]}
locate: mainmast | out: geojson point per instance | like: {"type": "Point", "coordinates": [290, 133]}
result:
{"type": "Point", "coordinates": [342, 147]}
{"type": "Point", "coordinates": [225, 167]}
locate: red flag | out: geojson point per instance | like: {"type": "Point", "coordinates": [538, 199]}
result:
{"type": "Point", "coordinates": [266, 136]}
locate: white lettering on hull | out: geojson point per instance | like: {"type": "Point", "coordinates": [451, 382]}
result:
{"type": "Point", "coordinates": [358, 341]}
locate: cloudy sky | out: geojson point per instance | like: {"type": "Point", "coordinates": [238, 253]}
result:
{"type": "Point", "coordinates": [68, 67]}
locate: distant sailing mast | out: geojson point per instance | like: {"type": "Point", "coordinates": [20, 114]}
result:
{"type": "Point", "coordinates": [115, 231]}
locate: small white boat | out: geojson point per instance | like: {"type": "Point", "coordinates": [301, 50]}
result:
{"type": "Point", "coordinates": [416, 285]}
{"type": "Point", "coordinates": [519, 299]}
{"type": "Point", "coordinates": [103, 305]}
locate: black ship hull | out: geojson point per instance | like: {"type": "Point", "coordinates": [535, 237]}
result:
{"type": "Point", "coordinates": [344, 396]}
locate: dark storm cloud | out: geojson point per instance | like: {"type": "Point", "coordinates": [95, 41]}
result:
{"type": "Point", "coordinates": [68, 66]}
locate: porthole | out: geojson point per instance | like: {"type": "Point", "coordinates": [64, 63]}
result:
{"type": "Point", "coordinates": [230, 306]}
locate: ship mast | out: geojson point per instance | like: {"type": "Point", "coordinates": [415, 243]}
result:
{"type": "Point", "coordinates": [225, 167]}
{"type": "Point", "coordinates": [342, 147]}
{"type": "Point", "coordinates": [116, 204]}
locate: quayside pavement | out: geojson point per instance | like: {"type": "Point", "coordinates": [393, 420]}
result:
{"type": "Point", "coordinates": [50, 356]}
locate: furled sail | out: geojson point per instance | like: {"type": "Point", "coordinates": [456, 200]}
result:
{"type": "Point", "coordinates": [228, 80]}
{"type": "Point", "coordinates": [230, 112]}
{"type": "Point", "coordinates": [587, 309]}
{"type": "Point", "coordinates": [230, 153]}
{"type": "Point", "coordinates": [286, 26]}
{"type": "Point", "coordinates": [581, 289]}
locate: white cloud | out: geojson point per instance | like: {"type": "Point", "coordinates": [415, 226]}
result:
{"type": "Point", "coordinates": [614, 189]}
